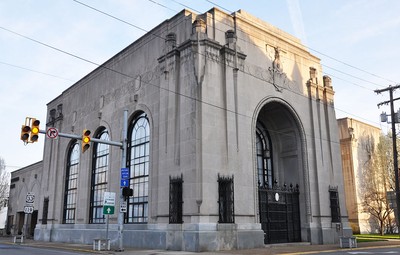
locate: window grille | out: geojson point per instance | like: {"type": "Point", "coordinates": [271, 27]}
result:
{"type": "Point", "coordinates": [226, 200]}
{"type": "Point", "coordinates": [45, 210]}
{"type": "Point", "coordinates": [175, 200]}
{"type": "Point", "coordinates": [334, 201]}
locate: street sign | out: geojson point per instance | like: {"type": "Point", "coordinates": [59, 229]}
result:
{"type": "Point", "coordinates": [52, 133]}
{"type": "Point", "coordinates": [124, 173]}
{"type": "Point", "coordinates": [28, 209]}
{"type": "Point", "coordinates": [30, 198]}
{"type": "Point", "coordinates": [109, 199]}
{"type": "Point", "coordinates": [108, 209]}
{"type": "Point", "coordinates": [124, 183]}
{"type": "Point", "coordinates": [123, 207]}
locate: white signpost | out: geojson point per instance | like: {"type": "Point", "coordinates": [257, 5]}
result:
{"type": "Point", "coordinates": [109, 203]}
{"type": "Point", "coordinates": [123, 208]}
{"type": "Point", "coordinates": [28, 209]}
{"type": "Point", "coordinates": [30, 199]}
{"type": "Point", "coordinates": [108, 207]}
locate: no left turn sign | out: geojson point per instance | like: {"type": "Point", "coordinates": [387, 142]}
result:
{"type": "Point", "coordinates": [52, 133]}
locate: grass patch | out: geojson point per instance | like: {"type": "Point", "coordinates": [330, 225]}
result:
{"type": "Point", "coordinates": [375, 237]}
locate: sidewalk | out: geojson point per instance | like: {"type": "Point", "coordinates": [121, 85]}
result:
{"type": "Point", "coordinates": [292, 248]}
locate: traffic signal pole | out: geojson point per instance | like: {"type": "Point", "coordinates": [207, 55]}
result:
{"type": "Point", "coordinates": [123, 146]}
{"type": "Point", "coordinates": [78, 137]}
{"type": "Point", "coordinates": [121, 197]}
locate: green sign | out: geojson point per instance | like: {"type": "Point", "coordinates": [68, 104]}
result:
{"type": "Point", "coordinates": [108, 209]}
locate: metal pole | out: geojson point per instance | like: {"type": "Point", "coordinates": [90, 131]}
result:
{"type": "Point", "coordinates": [121, 198]}
{"type": "Point", "coordinates": [108, 221]}
{"type": "Point", "coordinates": [395, 161]}
{"type": "Point", "coordinates": [94, 140]}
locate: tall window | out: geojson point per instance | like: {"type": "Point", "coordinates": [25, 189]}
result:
{"type": "Point", "coordinates": [99, 178]}
{"type": "Point", "coordinates": [71, 184]}
{"type": "Point", "coordinates": [264, 157]}
{"type": "Point", "coordinates": [138, 163]}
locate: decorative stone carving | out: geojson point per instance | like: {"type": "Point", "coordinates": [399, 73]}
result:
{"type": "Point", "coordinates": [199, 26]}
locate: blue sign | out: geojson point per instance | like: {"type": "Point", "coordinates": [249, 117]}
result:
{"type": "Point", "coordinates": [124, 183]}
{"type": "Point", "coordinates": [124, 173]}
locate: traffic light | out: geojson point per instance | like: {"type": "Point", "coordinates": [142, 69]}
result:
{"type": "Point", "coordinates": [85, 140]}
{"type": "Point", "coordinates": [127, 192]}
{"type": "Point", "coordinates": [35, 130]}
{"type": "Point", "coordinates": [25, 131]}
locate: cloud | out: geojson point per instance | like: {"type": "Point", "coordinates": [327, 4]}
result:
{"type": "Point", "coordinates": [296, 18]}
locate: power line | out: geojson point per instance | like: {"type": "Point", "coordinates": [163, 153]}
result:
{"type": "Point", "coordinates": [352, 66]}
{"type": "Point", "coordinates": [35, 71]}
{"type": "Point", "coordinates": [252, 43]}
{"type": "Point", "coordinates": [103, 66]}
{"type": "Point", "coordinates": [186, 6]}
{"type": "Point", "coordinates": [335, 59]}
{"type": "Point", "coordinates": [157, 86]}
{"type": "Point", "coordinates": [111, 16]}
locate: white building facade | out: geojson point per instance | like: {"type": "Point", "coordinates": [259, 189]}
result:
{"type": "Point", "coordinates": [229, 121]}
{"type": "Point", "coordinates": [359, 142]}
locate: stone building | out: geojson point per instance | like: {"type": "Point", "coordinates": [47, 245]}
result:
{"type": "Point", "coordinates": [232, 142]}
{"type": "Point", "coordinates": [357, 142]}
{"type": "Point", "coordinates": [23, 181]}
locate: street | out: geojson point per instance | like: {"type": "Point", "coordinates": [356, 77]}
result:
{"type": "Point", "coordinates": [44, 248]}
{"type": "Point", "coordinates": [390, 250]}
{"type": "Point", "coordinates": [13, 249]}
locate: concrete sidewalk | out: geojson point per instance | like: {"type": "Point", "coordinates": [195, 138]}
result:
{"type": "Point", "coordinates": [292, 248]}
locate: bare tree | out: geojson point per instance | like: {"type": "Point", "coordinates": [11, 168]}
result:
{"type": "Point", "coordinates": [4, 183]}
{"type": "Point", "coordinates": [377, 179]}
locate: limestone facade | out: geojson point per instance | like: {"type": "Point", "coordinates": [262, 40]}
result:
{"type": "Point", "coordinates": [202, 93]}
{"type": "Point", "coordinates": [357, 141]}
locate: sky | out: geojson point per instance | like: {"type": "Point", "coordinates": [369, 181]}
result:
{"type": "Point", "coordinates": [44, 45]}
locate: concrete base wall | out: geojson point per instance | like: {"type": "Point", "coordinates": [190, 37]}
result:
{"type": "Point", "coordinates": [185, 237]}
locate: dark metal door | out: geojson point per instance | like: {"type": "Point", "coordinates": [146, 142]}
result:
{"type": "Point", "coordinates": [280, 214]}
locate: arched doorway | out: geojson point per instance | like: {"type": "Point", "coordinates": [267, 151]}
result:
{"type": "Point", "coordinates": [280, 172]}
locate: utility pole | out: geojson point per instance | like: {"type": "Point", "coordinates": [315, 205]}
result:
{"type": "Point", "coordinates": [394, 141]}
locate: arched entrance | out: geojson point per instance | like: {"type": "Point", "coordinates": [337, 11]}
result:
{"type": "Point", "coordinates": [280, 171]}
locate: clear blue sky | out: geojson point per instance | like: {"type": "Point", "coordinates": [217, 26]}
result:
{"type": "Point", "coordinates": [357, 41]}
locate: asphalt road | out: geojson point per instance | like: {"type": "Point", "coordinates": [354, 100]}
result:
{"type": "Point", "coordinates": [12, 249]}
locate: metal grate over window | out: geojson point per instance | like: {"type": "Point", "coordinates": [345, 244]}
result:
{"type": "Point", "coordinates": [175, 200]}
{"type": "Point", "coordinates": [226, 209]}
{"type": "Point", "coordinates": [334, 201]}
{"type": "Point", "coordinates": [45, 210]}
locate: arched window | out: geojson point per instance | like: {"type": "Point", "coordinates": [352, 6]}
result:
{"type": "Point", "coordinates": [264, 157]}
{"type": "Point", "coordinates": [99, 178]}
{"type": "Point", "coordinates": [138, 163]}
{"type": "Point", "coordinates": [71, 184]}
